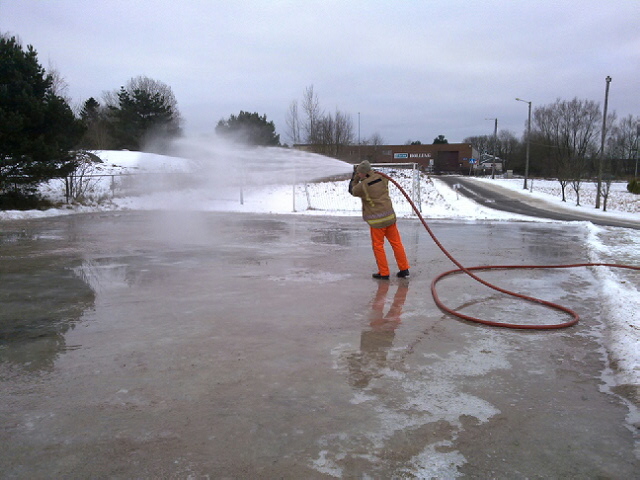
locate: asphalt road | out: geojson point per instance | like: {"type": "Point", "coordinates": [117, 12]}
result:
{"type": "Point", "coordinates": [499, 198]}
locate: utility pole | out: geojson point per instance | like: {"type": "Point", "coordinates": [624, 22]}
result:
{"type": "Point", "coordinates": [495, 147]}
{"type": "Point", "coordinates": [359, 142]}
{"type": "Point", "coordinates": [637, 135]}
{"type": "Point", "coordinates": [526, 167]}
{"type": "Point", "coordinates": [604, 133]}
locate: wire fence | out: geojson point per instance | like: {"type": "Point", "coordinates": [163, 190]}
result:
{"type": "Point", "coordinates": [331, 196]}
{"type": "Point", "coordinates": [322, 195]}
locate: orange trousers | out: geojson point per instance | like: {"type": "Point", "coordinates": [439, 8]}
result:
{"type": "Point", "coordinates": [392, 234]}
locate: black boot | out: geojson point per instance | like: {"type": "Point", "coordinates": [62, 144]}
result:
{"type": "Point", "coordinates": [403, 274]}
{"type": "Point", "coordinates": [377, 276]}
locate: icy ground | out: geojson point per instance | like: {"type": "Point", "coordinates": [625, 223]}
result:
{"type": "Point", "coordinates": [281, 181]}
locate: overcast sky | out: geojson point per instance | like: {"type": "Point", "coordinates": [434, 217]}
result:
{"type": "Point", "coordinates": [410, 70]}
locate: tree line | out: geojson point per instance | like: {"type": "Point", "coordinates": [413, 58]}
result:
{"type": "Point", "coordinates": [565, 142]}
{"type": "Point", "coordinates": [327, 133]}
{"type": "Point", "coordinates": [42, 138]}
{"type": "Point", "coordinates": [38, 130]}
{"type": "Point", "coordinates": [40, 135]}
{"type": "Point", "coordinates": [142, 114]}
{"type": "Point", "coordinates": [564, 139]}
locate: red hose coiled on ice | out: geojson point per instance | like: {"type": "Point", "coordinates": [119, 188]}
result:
{"type": "Point", "coordinates": [468, 270]}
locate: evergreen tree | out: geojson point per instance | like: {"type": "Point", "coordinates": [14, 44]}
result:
{"type": "Point", "coordinates": [249, 128]}
{"type": "Point", "coordinates": [90, 111]}
{"type": "Point", "coordinates": [140, 117]}
{"type": "Point", "coordinates": [440, 140]}
{"type": "Point", "coordinates": [96, 122]}
{"type": "Point", "coordinates": [143, 115]}
{"type": "Point", "coordinates": [38, 130]}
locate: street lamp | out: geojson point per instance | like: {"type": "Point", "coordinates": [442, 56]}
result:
{"type": "Point", "coordinates": [495, 144]}
{"type": "Point", "coordinates": [637, 135]}
{"type": "Point", "coordinates": [526, 167]}
{"type": "Point", "coordinates": [359, 142]}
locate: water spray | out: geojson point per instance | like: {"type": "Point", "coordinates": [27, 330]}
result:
{"type": "Point", "coordinates": [469, 271]}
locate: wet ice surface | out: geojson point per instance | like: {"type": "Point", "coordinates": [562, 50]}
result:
{"type": "Point", "coordinates": [169, 345]}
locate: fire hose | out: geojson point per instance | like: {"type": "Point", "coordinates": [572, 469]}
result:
{"type": "Point", "coordinates": [469, 271]}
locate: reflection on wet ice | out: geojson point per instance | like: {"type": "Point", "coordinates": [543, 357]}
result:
{"type": "Point", "coordinates": [376, 340]}
{"type": "Point", "coordinates": [103, 277]}
{"type": "Point", "coordinates": [408, 398]}
{"type": "Point", "coordinates": [40, 302]}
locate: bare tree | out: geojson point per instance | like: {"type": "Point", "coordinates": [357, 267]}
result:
{"type": "Point", "coordinates": [59, 85]}
{"type": "Point", "coordinates": [569, 131]}
{"type": "Point", "coordinates": [81, 183]}
{"type": "Point", "coordinates": [622, 145]}
{"type": "Point", "coordinates": [620, 150]}
{"type": "Point", "coordinates": [313, 116]}
{"type": "Point", "coordinates": [326, 134]}
{"type": "Point", "coordinates": [343, 131]}
{"type": "Point", "coordinates": [563, 175]}
{"type": "Point", "coordinates": [293, 122]}
{"type": "Point", "coordinates": [508, 145]}
{"type": "Point", "coordinates": [110, 98]}
{"type": "Point", "coordinates": [577, 167]}
{"type": "Point", "coordinates": [481, 143]}
{"type": "Point", "coordinates": [376, 140]}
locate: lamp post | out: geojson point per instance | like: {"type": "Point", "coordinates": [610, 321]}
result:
{"type": "Point", "coordinates": [637, 135]}
{"type": "Point", "coordinates": [495, 144]}
{"type": "Point", "coordinates": [359, 143]}
{"type": "Point", "coordinates": [604, 133]}
{"type": "Point", "coordinates": [526, 166]}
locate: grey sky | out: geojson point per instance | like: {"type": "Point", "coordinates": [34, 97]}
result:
{"type": "Point", "coordinates": [413, 69]}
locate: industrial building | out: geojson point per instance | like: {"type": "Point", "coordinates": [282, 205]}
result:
{"type": "Point", "coordinates": [437, 158]}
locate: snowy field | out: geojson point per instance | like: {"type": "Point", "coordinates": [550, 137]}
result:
{"type": "Point", "coordinates": [282, 181]}
{"type": "Point", "coordinates": [620, 203]}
